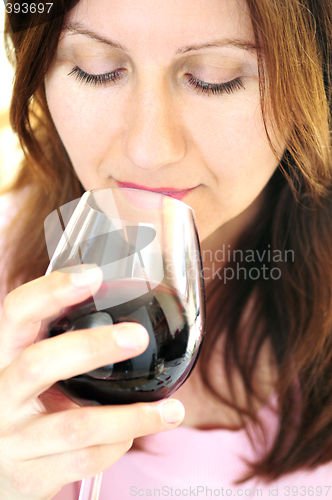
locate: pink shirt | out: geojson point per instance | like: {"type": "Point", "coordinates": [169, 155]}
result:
{"type": "Point", "coordinates": [191, 463]}
{"type": "Point", "coordinates": [188, 463]}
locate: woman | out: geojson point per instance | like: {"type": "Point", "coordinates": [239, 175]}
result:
{"type": "Point", "coordinates": [232, 99]}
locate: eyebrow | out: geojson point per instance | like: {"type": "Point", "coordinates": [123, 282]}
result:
{"type": "Point", "coordinates": [78, 29]}
{"type": "Point", "coordinates": [224, 42]}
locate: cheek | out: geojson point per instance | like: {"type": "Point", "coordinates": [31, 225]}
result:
{"type": "Point", "coordinates": [233, 142]}
{"type": "Point", "coordinates": [86, 126]}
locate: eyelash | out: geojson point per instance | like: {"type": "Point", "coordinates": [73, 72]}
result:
{"type": "Point", "coordinates": [199, 85]}
{"type": "Point", "coordinates": [82, 76]}
{"type": "Point", "coordinates": [216, 88]}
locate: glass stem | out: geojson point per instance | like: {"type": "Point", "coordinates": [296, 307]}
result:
{"type": "Point", "coordinates": [90, 488]}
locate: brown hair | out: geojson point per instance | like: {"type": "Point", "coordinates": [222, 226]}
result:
{"type": "Point", "coordinates": [294, 312]}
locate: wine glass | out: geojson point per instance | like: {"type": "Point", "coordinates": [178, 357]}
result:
{"type": "Point", "coordinates": [147, 246]}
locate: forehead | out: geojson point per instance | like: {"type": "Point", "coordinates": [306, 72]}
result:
{"type": "Point", "coordinates": [164, 25]}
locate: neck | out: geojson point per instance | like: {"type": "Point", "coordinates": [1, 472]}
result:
{"type": "Point", "coordinates": [219, 245]}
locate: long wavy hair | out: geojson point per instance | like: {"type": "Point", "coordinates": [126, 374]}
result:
{"type": "Point", "coordinates": [294, 312]}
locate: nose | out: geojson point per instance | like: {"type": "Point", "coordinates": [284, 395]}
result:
{"type": "Point", "coordinates": [153, 136]}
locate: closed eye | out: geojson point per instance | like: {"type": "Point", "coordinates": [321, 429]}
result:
{"type": "Point", "coordinates": [216, 88]}
{"type": "Point", "coordinates": [82, 76]}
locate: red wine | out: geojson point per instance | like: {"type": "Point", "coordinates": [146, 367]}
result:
{"type": "Point", "coordinates": [154, 374]}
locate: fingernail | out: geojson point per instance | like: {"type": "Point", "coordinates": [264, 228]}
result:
{"type": "Point", "coordinates": [172, 411]}
{"type": "Point", "coordinates": [131, 337]}
{"type": "Point", "coordinates": [87, 276]}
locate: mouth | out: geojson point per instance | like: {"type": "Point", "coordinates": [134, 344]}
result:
{"type": "Point", "coordinates": [178, 194]}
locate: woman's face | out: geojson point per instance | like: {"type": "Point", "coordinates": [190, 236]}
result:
{"type": "Point", "coordinates": [178, 107]}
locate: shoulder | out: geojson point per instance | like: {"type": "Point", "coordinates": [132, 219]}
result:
{"type": "Point", "coordinates": [6, 215]}
{"type": "Point", "coordinates": [8, 210]}
{"type": "Point", "coordinates": [6, 206]}
{"type": "Point", "coordinates": [10, 203]}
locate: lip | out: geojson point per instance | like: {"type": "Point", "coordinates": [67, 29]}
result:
{"type": "Point", "coordinates": [178, 194]}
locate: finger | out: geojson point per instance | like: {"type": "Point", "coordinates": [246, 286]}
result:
{"type": "Point", "coordinates": [42, 364]}
{"type": "Point", "coordinates": [53, 400]}
{"type": "Point", "coordinates": [85, 427]}
{"type": "Point", "coordinates": [62, 469]}
{"type": "Point", "coordinates": [25, 307]}
{"type": "Point", "coordinates": [89, 462]}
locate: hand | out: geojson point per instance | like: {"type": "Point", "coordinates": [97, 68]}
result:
{"type": "Point", "coordinates": [46, 441]}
